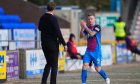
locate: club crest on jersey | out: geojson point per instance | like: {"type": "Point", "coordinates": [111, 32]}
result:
{"type": "Point", "coordinates": [97, 29]}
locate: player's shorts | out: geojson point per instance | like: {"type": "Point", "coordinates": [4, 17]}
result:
{"type": "Point", "coordinates": [92, 56]}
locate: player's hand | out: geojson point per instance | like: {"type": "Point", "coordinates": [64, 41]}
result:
{"type": "Point", "coordinates": [65, 48]}
{"type": "Point", "coordinates": [83, 24]}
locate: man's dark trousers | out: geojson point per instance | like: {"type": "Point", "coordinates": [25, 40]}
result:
{"type": "Point", "coordinates": [51, 54]}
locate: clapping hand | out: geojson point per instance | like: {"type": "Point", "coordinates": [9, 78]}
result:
{"type": "Point", "coordinates": [83, 24]}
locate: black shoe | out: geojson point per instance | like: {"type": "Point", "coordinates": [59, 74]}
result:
{"type": "Point", "coordinates": [43, 83]}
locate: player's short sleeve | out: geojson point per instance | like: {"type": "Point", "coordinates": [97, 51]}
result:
{"type": "Point", "coordinates": [97, 28]}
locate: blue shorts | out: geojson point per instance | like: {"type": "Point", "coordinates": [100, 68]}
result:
{"type": "Point", "coordinates": [92, 56]}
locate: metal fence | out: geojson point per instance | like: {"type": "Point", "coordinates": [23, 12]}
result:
{"type": "Point", "coordinates": [19, 44]}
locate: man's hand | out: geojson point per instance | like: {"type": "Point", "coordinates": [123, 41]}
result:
{"type": "Point", "coordinates": [83, 24]}
{"type": "Point", "coordinates": [65, 48]}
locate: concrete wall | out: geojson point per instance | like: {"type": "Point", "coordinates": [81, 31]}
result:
{"type": "Point", "coordinates": [73, 17]}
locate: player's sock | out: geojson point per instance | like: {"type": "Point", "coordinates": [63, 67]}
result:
{"type": "Point", "coordinates": [84, 76]}
{"type": "Point", "coordinates": [103, 74]}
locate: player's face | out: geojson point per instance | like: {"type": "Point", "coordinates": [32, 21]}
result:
{"type": "Point", "coordinates": [91, 20]}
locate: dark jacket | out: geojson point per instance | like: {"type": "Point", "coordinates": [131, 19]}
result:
{"type": "Point", "coordinates": [50, 31]}
{"type": "Point", "coordinates": [130, 44]}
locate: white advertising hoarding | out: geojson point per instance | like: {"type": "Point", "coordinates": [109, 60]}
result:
{"type": "Point", "coordinates": [24, 38]}
{"type": "Point", "coordinates": [106, 55]}
{"type": "Point", "coordinates": [81, 49]}
{"type": "Point", "coordinates": [3, 37]}
{"type": "Point", "coordinates": [35, 62]}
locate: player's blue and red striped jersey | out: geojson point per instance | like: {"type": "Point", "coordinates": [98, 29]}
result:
{"type": "Point", "coordinates": [93, 41]}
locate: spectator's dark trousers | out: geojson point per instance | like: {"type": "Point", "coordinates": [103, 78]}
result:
{"type": "Point", "coordinates": [136, 50]}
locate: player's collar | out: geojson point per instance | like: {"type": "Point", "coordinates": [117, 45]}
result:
{"type": "Point", "coordinates": [92, 25]}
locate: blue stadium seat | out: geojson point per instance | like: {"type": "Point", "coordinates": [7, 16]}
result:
{"type": "Point", "coordinates": [13, 22]}
{"type": "Point", "coordinates": [9, 18]}
{"type": "Point", "coordinates": [18, 26]}
{"type": "Point", "coordinates": [1, 11]}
